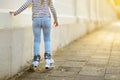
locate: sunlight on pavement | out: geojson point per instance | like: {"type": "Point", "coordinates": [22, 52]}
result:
{"type": "Point", "coordinates": [117, 23]}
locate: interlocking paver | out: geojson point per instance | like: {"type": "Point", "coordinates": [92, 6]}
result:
{"type": "Point", "coordinates": [79, 77]}
{"type": "Point", "coordinates": [92, 71]}
{"type": "Point", "coordinates": [62, 74]}
{"type": "Point", "coordinates": [112, 77]}
{"type": "Point", "coordinates": [114, 70]}
{"type": "Point", "coordinates": [95, 56]}
{"type": "Point", "coordinates": [60, 78]}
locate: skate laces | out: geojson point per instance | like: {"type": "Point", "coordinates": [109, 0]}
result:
{"type": "Point", "coordinates": [37, 58]}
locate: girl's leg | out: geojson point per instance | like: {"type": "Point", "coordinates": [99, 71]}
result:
{"type": "Point", "coordinates": [46, 33]}
{"type": "Point", "coordinates": [37, 40]}
{"type": "Point", "coordinates": [37, 36]}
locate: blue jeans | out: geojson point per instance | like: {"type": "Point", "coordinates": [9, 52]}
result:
{"type": "Point", "coordinates": [43, 24]}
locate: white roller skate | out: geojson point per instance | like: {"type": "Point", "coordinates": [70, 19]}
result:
{"type": "Point", "coordinates": [36, 62]}
{"type": "Point", "coordinates": [49, 62]}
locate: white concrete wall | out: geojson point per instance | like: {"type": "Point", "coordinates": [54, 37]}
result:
{"type": "Point", "coordinates": [106, 11]}
{"type": "Point", "coordinates": [76, 19]}
{"type": "Point", "coordinates": [87, 15]}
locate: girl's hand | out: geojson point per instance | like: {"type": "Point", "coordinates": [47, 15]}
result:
{"type": "Point", "coordinates": [12, 13]}
{"type": "Point", "coordinates": [56, 24]}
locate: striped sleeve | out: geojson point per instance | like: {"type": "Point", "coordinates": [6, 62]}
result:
{"type": "Point", "coordinates": [52, 8]}
{"type": "Point", "coordinates": [23, 7]}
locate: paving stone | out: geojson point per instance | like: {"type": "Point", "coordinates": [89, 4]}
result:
{"type": "Point", "coordinates": [58, 63]}
{"type": "Point", "coordinates": [113, 70]}
{"type": "Point", "coordinates": [73, 64]}
{"type": "Point", "coordinates": [68, 69]}
{"type": "Point", "coordinates": [112, 76]}
{"type": "Point", "coordinates": [100, 55]}
{"type": "Point", "coordinates": [60, 78]}
{"type": "Point", "coordinates": [115, 58]}
{"type": "Point", "coordinates": [31, 79]}
{"type": "Point", "coordinates": [115, 52]}
{"type": "Point", "coordinates": [36, 75]}
{"type": "Point", "coordinates": [83, 59]}
{"type": "Point", "coordinates": [92, 71]}
{"type": "Point", "coordinates": [97, 62]}
{"type": "Point", "coordinates": [79, 77]}
{"type": "Point", "coordinates": [98, 50]}
{"type": "Point", "coordinates": [62, 74]}
{"type": "Point", "coordinates": [116, 48]}
{"type": "Point", "coordinates": [114, 64]}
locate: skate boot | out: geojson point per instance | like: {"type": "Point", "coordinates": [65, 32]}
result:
{"type": "Point", "coordinates": [36, 62]}
{"type": "Point", "coordinates": [49, 62]}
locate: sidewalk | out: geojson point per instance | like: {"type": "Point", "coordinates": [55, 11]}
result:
{"type": "Point", "coordinates": [93, 57]}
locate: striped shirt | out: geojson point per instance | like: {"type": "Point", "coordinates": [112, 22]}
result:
{"type": "Point", "coordinates": [38, 10]}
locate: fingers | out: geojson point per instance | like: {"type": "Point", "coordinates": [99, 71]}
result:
{"type": "Point", "coordinates": [12, 13]}
{"type": "Point", "coordinates": [55, 24]}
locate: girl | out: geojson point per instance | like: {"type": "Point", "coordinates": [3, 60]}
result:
{"type": "Point", "coordinates": [41, 21]}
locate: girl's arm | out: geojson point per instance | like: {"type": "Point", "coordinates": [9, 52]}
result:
{"type": "Point", "coordinates": [52, 8]}
{"type": "Point", "coordinates": [23, 7]}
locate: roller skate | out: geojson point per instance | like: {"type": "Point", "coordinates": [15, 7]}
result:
{"type": "Point", "coordinates": [35, 63]}
{"type": "Point", "coordinates": [49, 62]}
